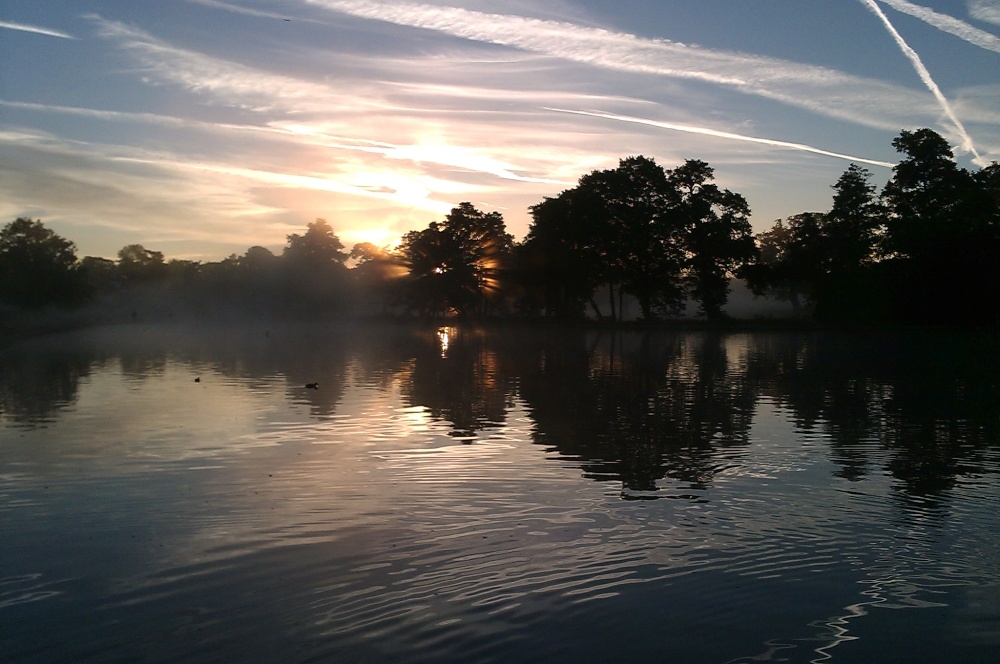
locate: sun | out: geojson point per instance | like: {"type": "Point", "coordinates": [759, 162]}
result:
{"type": "Point", "coordinates": [378, 236]}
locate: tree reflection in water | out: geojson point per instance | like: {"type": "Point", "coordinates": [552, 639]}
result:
{"type": "Point", "coordinates": [635, 407]}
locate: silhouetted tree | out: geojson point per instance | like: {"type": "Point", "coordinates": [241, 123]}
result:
{"type": "Point", "coordinates": [378, 273]}
{"type": "Point", "coordinates": [791, 257]}
{"type": "Point", "coordinates": [639, 245]}
{"type": "Point", "coordinates": [101, 274]}
{"type": "Point", "coordinates": [561, 260]}
{"type": "Point", "coordinates": [318, 247]}
{"type": "Point", "coordinates": [258, 259]}
{"type": "Point", "coordinates": [940, 234]}
{"type": "Point", "coordinates": [136, 264]}
{"type": "Point", "coordinates": [853, 222]}
{"type": "Point", "coordinates": [927, 196]}
{"type": "Point", "coordinates": [716, 234]}
{"type": "Point", "coordinates": [845, 286]}
{"type": "Point", "coordinates": [314, 268]}
{"type": "Point", "coordinates": [771, 274]}
{"type": "Point", "coordinates": [37, 266]}
{"type": "Point", "coordinates": [456, 265]}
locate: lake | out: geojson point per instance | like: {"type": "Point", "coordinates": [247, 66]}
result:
{"type": "Point", "coordinates": [452, 494]}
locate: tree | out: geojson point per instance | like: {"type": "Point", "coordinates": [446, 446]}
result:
{"type": "Point", "coordinates": [457, 265]}
{"type": "Point", "coordinates": [561, 260]}
{"type": "Point", "coordinates": [853, 222]}
{"type": "Point", "coordinates": [377, 272]}
{"type": "Point", "coordinates": [257, 259]}
{"type": "Point", "coordinates": [638, 245]}
{"type": "Point", "coordinates": [768, 274]}
{"type": "Point", "coordinates": [101, 274]}
{"type": "Point", "coordinates": [137, 264]}
{"type": "Point", "coordinates": [715, 234]}
{"type": "Point", "coordinates": [939, 235]}
{"type": "Point", "coordinates": [656, 235]}
{"type": "Point", "coordinates": [314, 270]}
{"type": "Point", "coordinates": [790, 258]}
{"type": "Point", "coordinates": [928, 197]}
{"type": "Point", "coordinates": [37, 266]}
{"type": "Point", "coordinates": [843, 281]}
{"type": "Point", "coordinates": [318, 247]}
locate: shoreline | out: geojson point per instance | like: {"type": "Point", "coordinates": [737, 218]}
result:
{"type": "Point", "coordinates": [21, 326]}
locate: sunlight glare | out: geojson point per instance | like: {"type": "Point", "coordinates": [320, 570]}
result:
{"type": "Point", "coordinates": [445, 335]}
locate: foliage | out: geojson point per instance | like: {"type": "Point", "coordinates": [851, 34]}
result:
{"type": "Point", "coordinates": [137, 264]}
{"type": "Point", "coordinates": [315, 277]}
{"type": "Point", "coordinates": [657, 235]}
{"type": "Point", "coordinates": [638, 244]}
{"type": "Point", "coordinates": [319, 247]}
{"type": "Point", "coordinates": [377, 274]}
{"type": "Point", "coordinates": [716, 237]}
{"type": "Point", "coordinates": [37, 266]}
{"type": "Point", "coordinates": [928, 198]}
{"type": "Point", "coordinates": [560, 264]}
{"type": "Point", "coordinates": [457, 266]}
{"type": "Point", "coordinates": [921, 252]}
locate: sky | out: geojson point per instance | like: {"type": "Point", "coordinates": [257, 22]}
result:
{"type": "Point", "coordinates": [200, 128]}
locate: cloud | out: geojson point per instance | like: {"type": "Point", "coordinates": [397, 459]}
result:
{"type": "Point", "coordinates": [246, 11]}
{"type": "Point", "coordinates": [820, 90]}
{"type": "Point", "coordinates": [925, 76]}
{"type": "Point", "coordinates": [948, 24]}
{"type": "Point", "coordinates": [236, 84]}
{"type": "Point", "coordinates": [704, 131]}
{"type": "Point", "coordinates": [252, 88]}
{"type": "Point", "coordinates": [984, 10]}
{"type": "Point", "coordinates": [35, 29]}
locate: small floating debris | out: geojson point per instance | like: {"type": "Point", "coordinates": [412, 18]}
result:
{"type": "Point", "coordinates": [312, 386]}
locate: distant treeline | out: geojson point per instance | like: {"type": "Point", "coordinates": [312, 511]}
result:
{"type": "Point", "coordinates": [923, 251]}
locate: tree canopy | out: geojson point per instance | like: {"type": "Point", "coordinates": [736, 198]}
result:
{"type": "Point", "coordinates": [660, 236]}
{"type": "Point", "coordinates": [456, 265]}
{"type": "Point", "coordinates": [921, 251]}
{"type": "Point", "coordinates": [37, 266]}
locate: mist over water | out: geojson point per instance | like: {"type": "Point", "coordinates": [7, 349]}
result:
{"type": "Point", "coordinates": [451, 494]}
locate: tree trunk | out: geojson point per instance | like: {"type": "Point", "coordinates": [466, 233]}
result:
{"type": "Point", "coordinates": [645, 308]}
{"type": "Point", "coordinates": [597, 309]}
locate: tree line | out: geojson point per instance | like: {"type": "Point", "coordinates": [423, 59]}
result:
{"type": "Point", "coordinates": [921, 251]}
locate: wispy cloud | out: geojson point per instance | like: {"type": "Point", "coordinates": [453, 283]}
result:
{"type": "Point", "coordinates": [925, 76]}
{"type": "Point", "coordinates": [252, 88]}
{"type": "Point", "coordinates": [948, 24]}
{"type": "Point", "coordinates": [134, 190]}
{"type": "Point", "coordinates": [23, 27]}
{"type": "Point", "coordinates": [821, 90]}
{"type": "Point", "coordinates": [984, 10]}
{"type": "Point", "coordinates": [246, 11]}
{"type": "Point", "coordinates": [236, 84]}
{"type": "Point", "coordinates": [705, 131]}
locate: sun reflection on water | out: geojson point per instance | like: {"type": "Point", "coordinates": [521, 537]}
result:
{"type": "Point", "coordinates": [445, 335]}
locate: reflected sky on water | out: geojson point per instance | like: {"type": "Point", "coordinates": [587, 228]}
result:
{"type": "Point", "coordinates": [465, 495]}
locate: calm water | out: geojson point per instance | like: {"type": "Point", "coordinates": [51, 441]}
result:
{"type": "Point", "coordinates": [452, 495]}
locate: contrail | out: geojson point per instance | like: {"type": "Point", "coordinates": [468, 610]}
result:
{"type": "Point", "coordinates": [925, 76]}
{"type": "Point", "coordinates": [817, 89]}
{"type": "Point", "coordinates": [948, 24]}
{"type": "Point", "coordinates": [723, 134]}
{"type": "Point", "coordinates": [35, 29]}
